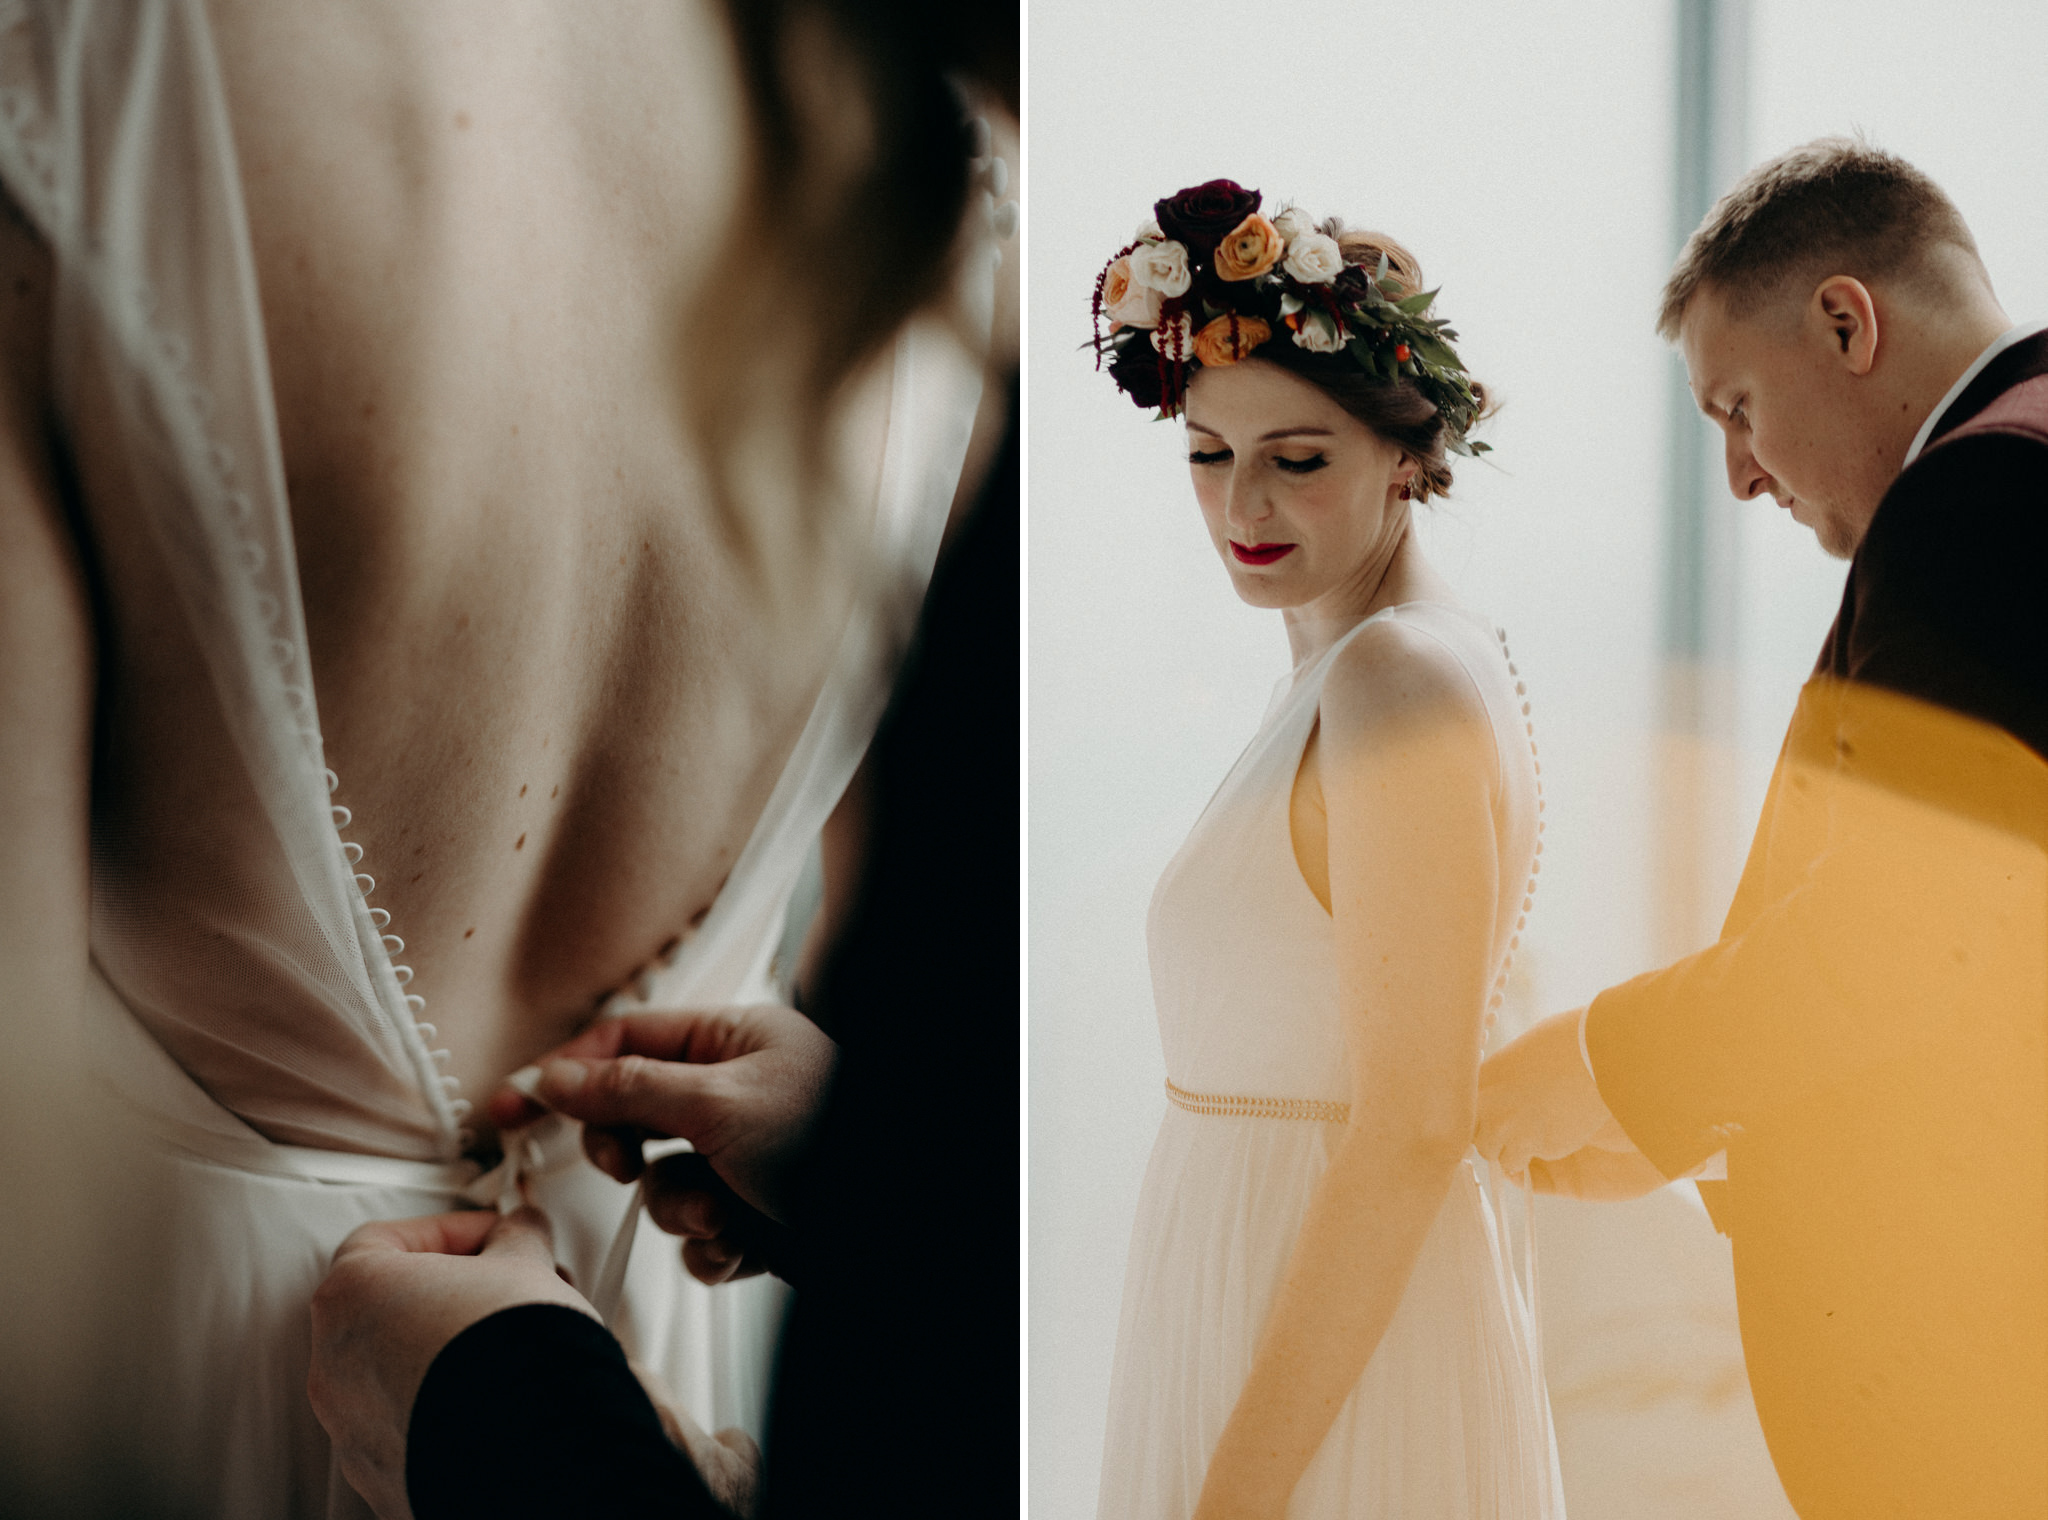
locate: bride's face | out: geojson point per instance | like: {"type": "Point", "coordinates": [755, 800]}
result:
{"type": "Point", "coordinates": [1301, 499]}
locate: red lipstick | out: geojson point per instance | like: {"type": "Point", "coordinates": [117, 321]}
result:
{"type": "Point", "coordinates": [1260, 554]}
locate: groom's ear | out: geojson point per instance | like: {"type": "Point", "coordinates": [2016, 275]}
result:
{"type": "Point", "coordinates": [1844, 309]}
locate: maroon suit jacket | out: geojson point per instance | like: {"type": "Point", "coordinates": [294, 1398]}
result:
{"type": "Point", "coordinates": [1947, 597]}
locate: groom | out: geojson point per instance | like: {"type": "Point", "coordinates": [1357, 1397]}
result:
{"type": "Point", "coordinates": [1865, 1042]}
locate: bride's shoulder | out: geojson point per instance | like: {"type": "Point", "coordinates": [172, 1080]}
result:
{"type": "Point", "coordinates": [1399, 678]}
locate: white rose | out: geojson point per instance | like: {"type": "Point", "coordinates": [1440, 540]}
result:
{"type": "Point", "coordinates": [1148, 232]}
{"type": "Point", "coordinates": [1293, 223]}
{"type": "Point", "coordinates": [1163, 267]}
{"type": "Point", "coordinates": [1313, 258]}
{"type": "Point", "coordinates": [1127, 302]}
{"type": "Point", "coordinates": [1320, 334]}
{"type": "Point", "coordinates": [1163, 337]}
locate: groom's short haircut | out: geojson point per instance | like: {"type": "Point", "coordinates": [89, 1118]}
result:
{"type": "Point", "coordinates": [1836, 205]}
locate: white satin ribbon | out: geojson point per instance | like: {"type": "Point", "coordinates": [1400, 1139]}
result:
{"type": "Point", "coordinates": [503, 1186]}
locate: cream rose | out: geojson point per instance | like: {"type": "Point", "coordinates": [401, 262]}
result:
{"type": "Point", "coordinates": [1148, 232]}
{"type": "Point", "coordinates": [1314, 258]}
{"type": "Point", "coordinates": [1182, 327]}
{"type": "Point", "coordinates": [1162, 267]}
{"type": "Point", "coordinates": [1217, 345]}
{"type": "Point", "coordinates": [1124, 301]}
{"type": "Point", "coordinates": [1293, 223]}
{"type": "Point", "coordinates": [1252, 248]}
{"type": "Point", "coordinates": [1319, 333]}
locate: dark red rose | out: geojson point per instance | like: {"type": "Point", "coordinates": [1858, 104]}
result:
{"type": "Point", "coordinates": [1136, 369]}
{"type": "Point", "coordinates": [1352, 281]}
{"type": "Point", "coordinates": [1202, 216]}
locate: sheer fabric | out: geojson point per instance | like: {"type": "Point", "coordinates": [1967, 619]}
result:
{"type": "Point", "coordinates": [1450, 1419]}
{"type": "Point", "coordinates": [247, 999]}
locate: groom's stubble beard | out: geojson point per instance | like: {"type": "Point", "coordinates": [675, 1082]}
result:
{"type": "Point", "coordinates": [1838, 539]}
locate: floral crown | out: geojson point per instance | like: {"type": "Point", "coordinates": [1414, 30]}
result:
{"type": "Point", "coordinates": [1211, 280]}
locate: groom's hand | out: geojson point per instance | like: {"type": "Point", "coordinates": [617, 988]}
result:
{"type": "Point", "coordinates": [1597, 1174]}
{"type": "Point", "coordinates": [1537, 1100]}
{"type": "Point", "coordinates": [742, 1085]}
{"type": "Point", "coordinates": [724, 1237]}
{"type": "Point", "coordinates": [397, 1293]}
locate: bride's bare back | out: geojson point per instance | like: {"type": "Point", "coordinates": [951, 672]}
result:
{"type": "Point", "coordinates": [477, 229]}
{"type": "Point", "coordinates": [555, 704]}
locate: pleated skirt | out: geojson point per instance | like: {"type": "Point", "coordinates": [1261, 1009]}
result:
{"type": "Point", "coordinates": [1449, 1420]}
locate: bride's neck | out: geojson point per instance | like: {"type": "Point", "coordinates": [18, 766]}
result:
{"type": "Point", "coordinates": [1399, 574]}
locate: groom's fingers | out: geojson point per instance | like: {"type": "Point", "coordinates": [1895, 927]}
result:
{"type": "Point", "coordinates": [1490, 1132]}
{"type": "Point", "coordinates": [522, 1235]}
{"type": "Point", "coordinates": [457, 1234]}
{"type": "Point", "coordinates": [661, 1096]}
{"type": "Point", "coordinates": [1502, 1133]}
{"type": "Point", "coordinates": [675, 1036]}
{"type": "Point", "coordinates": [1596, 1174]}
{"type": "Point", "coordinates": [614, 1151]}
{"type": "Point", "coordinates": [1503, 1136]}
{"type": "Point", "coordinates": [686, 1197]}
{"type": "Point", "coordinates": [696, 1038]}
{"type": "Point", "coordinates": [724, 1236]}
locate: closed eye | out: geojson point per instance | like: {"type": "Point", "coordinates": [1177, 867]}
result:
{"type": "Point", "coordinates": [1306, 466]}
{"type": "Point", "coordinates": [1196, 456]}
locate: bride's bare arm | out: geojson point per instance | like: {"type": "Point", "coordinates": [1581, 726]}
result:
{"type": "Point", "coordinates": [1407, 774]}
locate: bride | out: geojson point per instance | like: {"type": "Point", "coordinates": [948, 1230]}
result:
{"type": "Point", "coordinates": [1319, 1314]}
{"type": "Point", "coordinates": [466, 474]}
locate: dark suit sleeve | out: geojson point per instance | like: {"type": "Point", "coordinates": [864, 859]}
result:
{"type": "Point", "coordinates": [1902, 928]}
{"type": "Point", "coordinates": [897, 1389]}
{"type": "Point", "coordinates": [533, 1412]}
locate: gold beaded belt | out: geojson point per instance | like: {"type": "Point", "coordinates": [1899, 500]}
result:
{"type": "Point", "coordinates": [1321, 1109]}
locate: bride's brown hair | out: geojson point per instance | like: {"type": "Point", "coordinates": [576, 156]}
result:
{"type": "Point", "coordinates": [860, 167]}
{"type": "Point", "coordinates": [857, 170]}
{"type": "Point", "coordinates": [1396, 410]}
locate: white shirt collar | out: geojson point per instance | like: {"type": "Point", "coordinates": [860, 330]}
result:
{"type": "Point", "coordinates": [1997, 346]}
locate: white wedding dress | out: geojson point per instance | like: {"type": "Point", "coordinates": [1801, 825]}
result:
{"type": "Point", "coordinates": [258, 995]}
{"type": "Point", "coordinates": [1450, 1419]}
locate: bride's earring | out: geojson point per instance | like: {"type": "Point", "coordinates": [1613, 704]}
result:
{"type": "Point", "coordinates": [1406, 493]}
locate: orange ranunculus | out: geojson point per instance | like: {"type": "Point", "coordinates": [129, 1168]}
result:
{"type": "Point", "coordinates": [1250, 251]}
{"type": "Point", "coordinates": [1213, 345]}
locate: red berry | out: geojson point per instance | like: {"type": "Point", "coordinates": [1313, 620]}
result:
{"type": "Point", "coordinates": [1401, 352]}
